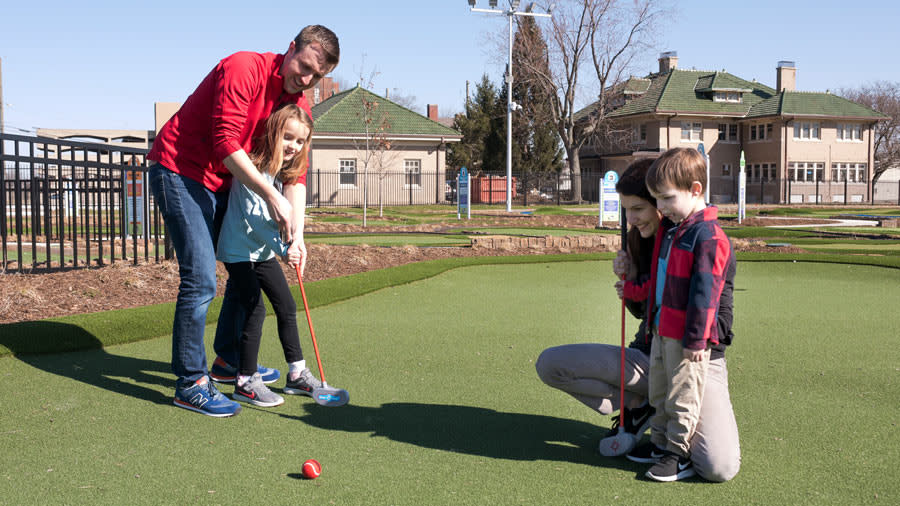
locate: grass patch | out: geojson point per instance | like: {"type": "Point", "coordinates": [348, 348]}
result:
{"type": "Point", "coordinates": [389, 239]}
{"type": "Point", "coordinates": [536, 231]}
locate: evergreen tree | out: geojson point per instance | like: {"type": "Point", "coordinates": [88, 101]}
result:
{"type": "Point", "coordinates": [481, 148]}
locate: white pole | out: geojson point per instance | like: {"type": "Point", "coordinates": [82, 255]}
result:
{"type": "Point", "coordinates": [509, 118]}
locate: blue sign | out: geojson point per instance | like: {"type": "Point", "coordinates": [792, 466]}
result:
{"type": "Point", "coordinates": [462, 193]}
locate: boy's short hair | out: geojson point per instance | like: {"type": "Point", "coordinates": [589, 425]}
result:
{"type": "Point", "coordinates": [677, 168]}
{"type": "Point", "coordinates": [633, 181]}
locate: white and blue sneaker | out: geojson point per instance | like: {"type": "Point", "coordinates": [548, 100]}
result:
{"type": "Point", "coordinates": [223, 372]}
{"type": "Point", "coordinates": [203, 397]}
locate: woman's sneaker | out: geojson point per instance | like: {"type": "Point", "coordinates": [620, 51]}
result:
{"type": "Point", "coordinates": [303, 385]}
{"type": "Point", "coordinates": [223, 372]}
{"type": "Point", "coordinates": [257, 393]}
{"type": "Point", "coordinates": [203, 397]}
{"type": "Point", "coordinates": [671, 467]}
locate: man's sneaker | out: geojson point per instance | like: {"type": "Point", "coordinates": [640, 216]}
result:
{"type": "Point", "coordinates": [223, 372]}
{"type": "Point", "coordinates": [257, 393]}
{"type": "Point", "coordinates": [671, 467]}
{"type": "Point", "coordinates": [647, 453]}
{"type": "Point", "coordinates": [303, 385]}
{"type": "Point", "coordinates": [203, 397]}
{"type": "Point", "coordinates": [636, 421]}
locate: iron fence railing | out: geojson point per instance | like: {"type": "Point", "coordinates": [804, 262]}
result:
{"type": "Point", "coordinates": [74, 204]}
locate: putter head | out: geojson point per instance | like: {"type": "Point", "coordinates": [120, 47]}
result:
{"type": "Point", "coordinates": [330, 396]}
{"type": "Point", "coordinates": [617, 445]}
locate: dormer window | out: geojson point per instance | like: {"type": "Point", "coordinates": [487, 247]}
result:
{"type": "Point", "coordinates": [727, 96]}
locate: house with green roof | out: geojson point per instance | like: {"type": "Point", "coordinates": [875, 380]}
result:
{"type": "Point", "coordinates": [797, 146]}
{"type": "Point", "coordinates": [366, 148]}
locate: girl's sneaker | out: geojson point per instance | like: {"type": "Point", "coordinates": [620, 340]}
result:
{"type": "Point", "coordinates": [303, 385]}
{"type": "Point", "coordinates": [257, 393]}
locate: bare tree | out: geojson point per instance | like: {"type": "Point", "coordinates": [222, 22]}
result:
{"type": "Point", "coordinates": [603, 35]}
{"type": "Point", "coordinates": [884, 97]}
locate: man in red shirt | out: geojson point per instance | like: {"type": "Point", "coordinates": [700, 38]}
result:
{"type": "Point", "coordinates": [197, 152]}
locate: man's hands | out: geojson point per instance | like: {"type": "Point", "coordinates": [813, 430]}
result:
{"type": "Point", "coordinates": [281, 211]}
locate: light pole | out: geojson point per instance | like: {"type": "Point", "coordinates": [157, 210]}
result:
{"type": "Point", "coordinates": [510, 105]}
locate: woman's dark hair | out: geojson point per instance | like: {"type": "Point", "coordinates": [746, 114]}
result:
{"type": "Point", "coordinates": [633, 183]}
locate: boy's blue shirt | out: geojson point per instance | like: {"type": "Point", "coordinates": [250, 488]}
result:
{"type": "Point", "coordinates": [248, 233]}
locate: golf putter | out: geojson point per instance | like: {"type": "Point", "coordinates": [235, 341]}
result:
{"type": "Point", "coordinates": [622, 442]}
{"type": "Point", "coordinates": [324, 395]}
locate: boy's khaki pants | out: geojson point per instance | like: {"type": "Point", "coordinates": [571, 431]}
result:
{"type": "Point", "coordinates": [676, 392]}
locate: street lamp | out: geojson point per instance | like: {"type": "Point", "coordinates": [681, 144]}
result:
{"type": "Point", "coordinates": [510, 105]}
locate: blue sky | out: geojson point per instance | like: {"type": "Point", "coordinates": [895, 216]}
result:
{"type": "Point", "coordinates": [103, 64]}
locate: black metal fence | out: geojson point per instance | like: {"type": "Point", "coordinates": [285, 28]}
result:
{"type": "Point", "coordinates": [74, 204]}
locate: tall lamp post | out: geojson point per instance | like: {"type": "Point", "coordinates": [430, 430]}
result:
{"type": "Point", "coordinates": [510, 105]}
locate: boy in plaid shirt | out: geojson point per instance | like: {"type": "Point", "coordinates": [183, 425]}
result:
{"type": "Point", "coordinates": [691, 257]}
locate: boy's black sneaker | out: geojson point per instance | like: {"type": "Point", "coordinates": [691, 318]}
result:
{"type": "Point", "coordinates": [671, 467]}
{"type": "Point", "coordinates": [647, 453]}
{"type": "Point", "coordinates": [636, 420]}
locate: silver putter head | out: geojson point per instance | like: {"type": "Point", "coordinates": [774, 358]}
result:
{"type": "Point", "coordinates": [330, 396]}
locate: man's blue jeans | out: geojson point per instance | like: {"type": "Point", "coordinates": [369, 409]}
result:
{"type": "Point", "coordinates": [193, 215]}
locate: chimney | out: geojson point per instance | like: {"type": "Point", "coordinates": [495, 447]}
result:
{"type": "Point", "coordinates": [432, 112]}
{"type": "Point", "coordinates": [786, 76]}
{"type": "Point", "coordinates": [668, 61]}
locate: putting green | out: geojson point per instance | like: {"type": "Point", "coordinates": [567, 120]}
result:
{"type": "Point", "coordinates": [446, 407]}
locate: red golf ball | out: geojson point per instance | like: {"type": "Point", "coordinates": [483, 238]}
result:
{"type": "Point", "coordinates": [312, 469]}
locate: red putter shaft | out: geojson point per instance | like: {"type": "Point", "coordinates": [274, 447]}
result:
{"type": "Point", "coordinates": [312, 332]}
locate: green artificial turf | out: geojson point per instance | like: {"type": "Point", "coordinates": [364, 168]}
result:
{"type": "Point", "coordinates": [537, 231]}
{"type": "Point", "coordinates": [446, 407]}
{"type": "Point", "coordinates": [424, 240]}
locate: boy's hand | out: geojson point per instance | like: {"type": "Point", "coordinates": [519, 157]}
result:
{"type": "Point", "coordinates": [693, 355]}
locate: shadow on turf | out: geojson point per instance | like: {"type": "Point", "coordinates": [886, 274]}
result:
{"type": "Point", "coordinates": [95, 366]}
{"type": "Point", "coordinates": [472, 430]}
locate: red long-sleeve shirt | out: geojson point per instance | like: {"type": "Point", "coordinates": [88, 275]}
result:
{"type": "Point", "coordinates": [224, 114]}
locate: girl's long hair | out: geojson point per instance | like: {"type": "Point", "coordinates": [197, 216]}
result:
{"type": "Point", "coordinates": [267, 153]}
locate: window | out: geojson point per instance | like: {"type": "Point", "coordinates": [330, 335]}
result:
{"type": "Point", "coordinates": [639, 133]}
{"type": "Point", "coordinates": [849, 132]}
{"type": "Point", "coordinates": [691, 131]}
{"type": "Point", "coordinates": [761, 172]}
{"type": "Point", "coordinates": [348, 172]}
{"type": "Point", "coordinates": [805, 172]}
{"type": "Point", "coordinates": [727, 133]}
{"type": "Point", "coordinates": [760, 132]}
{"type": "Point", "coordinates": [412, 170]}
{"type": "Point", "coordinates": [807, 131]}
{"type": "Point", "coordinates": [727, 96]}
{"type": "Point", "coordinates": [850, 172]}
{"type": "Point", "coordinates": [726, 169]}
